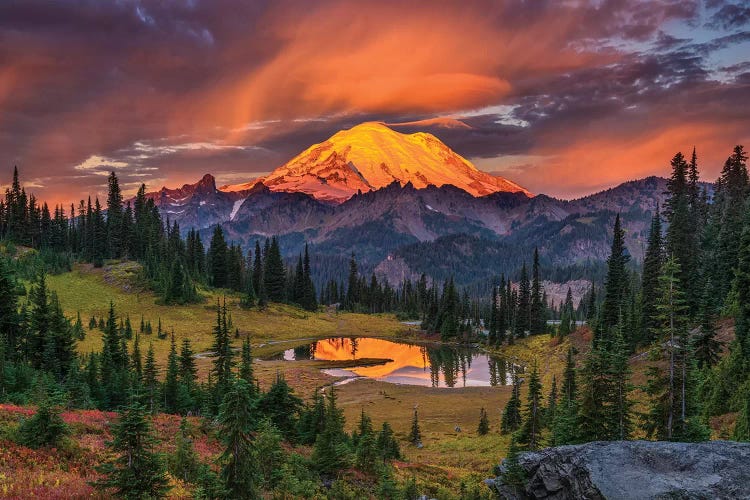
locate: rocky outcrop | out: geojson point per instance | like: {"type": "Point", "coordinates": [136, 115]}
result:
{"type": "Point", "coordinates": [633, 470]}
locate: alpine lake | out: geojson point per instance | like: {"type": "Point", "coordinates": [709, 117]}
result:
{"type": "Point", "coordinates": [400, 362]}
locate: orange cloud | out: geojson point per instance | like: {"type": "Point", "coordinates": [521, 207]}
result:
{"type": "Point", "coordinates": [390, 58]}
{"type": "Point", "coordinates": [77, 82]}
{"type": "Point", "coordinates": [598, 160]}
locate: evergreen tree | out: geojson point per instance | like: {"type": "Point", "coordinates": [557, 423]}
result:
{"type": "Point", "coordinates": [731, 193]}
{"type": "Point", "coordinates": [538, 322]}
{"type": "Point", "coordinates": [98, 236]}
{"type": "Point", "coordinates": [617, 282]}
{"type": "Point", "coordinates": [569, 388]}
{"type": "Point", "coordinates": [568, 318]}
{"type": "Point", "coordinates": [239, 471]}
{"type": "Point", "coordinates": [281, 407]}
{"type": "Point", "coordinates": [309, 299]}
{"type": "Point", "coordinates": [296, 289]}
{"type": "Point", "coordinates": [352, 289]}
{"type": "Point", "coordinates": [312, 419]}
{"type": "Point", "coordinates": [137, 472]}
{"type": "Point", "coordinates": [9, 321]}
{"type": "Point", "coordinates": [116, 243]}
{"type": "Point", "coordinates": [529, 435]}
{"type": "Point", "coordinates": [591, 311]}
{"type": "Point", "coordinates": [39, 325]}
{"type": "Point", "coordinates": [492, 337]}
{"type": "Point", "coordinates": [331, 452]}
{"type": "Point", "coordinates": [513, 474]}
{"type": "Point", "coordinates": [447, 322]}
{"type": "Point", "coordinates": [605, 407]}
{"type": "Point", "coordinates": [45, 428]}
{"type": "Point", "coordinates": [179, 289]}
{"type": "Point", "coordinates": [652, 264]}
{"type": "Point", "coordinates": [706, 348]}
{"type": "Point", "coordinates": [272, 457]}
{"type": "Point", "coordinates": [411, 491]}
{"type": "Point", "coordinates": [742, 426]}
{"type": "Point", "coordinates": [484, 423]}
{"type": "Point", "coordinates": [150, 382]}
{"type": "Point", "coordinates": [742, 287]}
{"type": "Point", "coordinates": [387, 444]}
{"type": "Point", "coordinates": [622, 406]}
{"type": "Point", "coordinates": [551, 409]}
{"type": "Point", "coordinates": [246, 363]}
{"type": "Point", "coordinates": [218, 258]}
{"type": "Point", "coordinates": [114, 363]}
{"type": "Point", "coordinates": [511, 418]}
{"type": "Point", "coordinates": [594, 414]}
{"type": "Point", "coordinates": [258, 281]}
{"type": "Point", "coordinates": [274, 274]}
{"type": "Point", "coordinates": [188, 372]}
{"type": "Point", "coordinates": [184, 463]}
{"type": "Point", "coordinates": [136, 364]}
{"type": "Point", "coordinates": [565, 420]}
{"type": "Point", "coordinates": [251, 297]}
{"type": "Point", "coordinates": [222, 348]}
{"type": "Point", "coordinates": [171, 380]}
{"type": "Point", "coordinates": [523, 312]}
{"type": "Point", "coordinates": [669, 380]}
{"type": "Point", "coordinates": [366, 452]}
{"type": "Point", "coordinates": [78, 332]}
{"type": "Point", "coordinates": [415, 434]}
{"type": "Point", "coordinates": [680, 238]}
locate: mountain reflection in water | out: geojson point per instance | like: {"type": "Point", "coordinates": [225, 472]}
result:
{"type": "Point", "coordinates": [425, 365]}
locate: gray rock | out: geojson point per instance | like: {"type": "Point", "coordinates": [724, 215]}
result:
{"type": "Point", "coordinates": [633, 470]}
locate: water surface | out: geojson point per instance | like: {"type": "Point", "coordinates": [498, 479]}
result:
{"type": "Point", "coordinates": [430, 365]}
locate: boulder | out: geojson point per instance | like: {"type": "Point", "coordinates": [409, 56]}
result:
{"type": "Point", "coordinates": [632, 470]}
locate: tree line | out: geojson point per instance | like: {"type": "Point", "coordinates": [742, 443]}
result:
{"type": "Point", "coordinates": [174, 266]}
{"type": "Point", "coordinates": [695, 272]}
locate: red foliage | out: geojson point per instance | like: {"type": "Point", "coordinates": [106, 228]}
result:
{"type": "Point", "coordinates": [52, 473]}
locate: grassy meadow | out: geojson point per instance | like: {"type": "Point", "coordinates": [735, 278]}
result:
{"type": "Point", "coordinates": [452, 452]}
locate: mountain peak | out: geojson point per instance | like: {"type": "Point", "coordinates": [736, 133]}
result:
{"type": "Point", "coordinates": [206, 185]}
{"type": "Point", "coordinates": [371, 156]}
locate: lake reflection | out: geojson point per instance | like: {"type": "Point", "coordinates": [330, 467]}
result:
{"type": "Point", "coordinates": [425, 365]}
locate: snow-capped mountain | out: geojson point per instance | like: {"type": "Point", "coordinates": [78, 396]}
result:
{"type": "Point", "coordinates": [406, 204]}
{"type": "Point", "coordinates": [371, 156]}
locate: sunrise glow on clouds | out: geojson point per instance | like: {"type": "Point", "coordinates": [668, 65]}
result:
{"type": "Point", "coordinates": [561, 97]}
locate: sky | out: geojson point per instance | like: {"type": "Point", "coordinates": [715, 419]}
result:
{"type": "Point", "coordinates": [563, 97]}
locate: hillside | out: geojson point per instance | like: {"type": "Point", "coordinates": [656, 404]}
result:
{"type": "Point", "coordinates": [90, 291]}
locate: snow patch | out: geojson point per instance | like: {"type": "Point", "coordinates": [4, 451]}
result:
{"type": "Point", "coordinates": [430, 208]}
{"type": "Point", "coordinates": [236, 208]}
{"type": "Point", "coordinates": [203, 202]}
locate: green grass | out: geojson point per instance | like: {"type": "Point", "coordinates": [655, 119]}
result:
{"type": "Point", "coordinates": [448, 456]}
{"type": "Point", "coordinates": [90, 291]}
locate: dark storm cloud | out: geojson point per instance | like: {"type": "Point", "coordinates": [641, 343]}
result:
{"type": "Point", "coordinates": [237, 88]}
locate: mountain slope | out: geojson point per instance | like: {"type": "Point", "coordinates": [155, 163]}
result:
{"type": "Point", "coordinates": [371, 156]}
{"type": "Point", "coordinates": [382, 226]}
{"type": "Point", "coordinates": [197, 205]}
